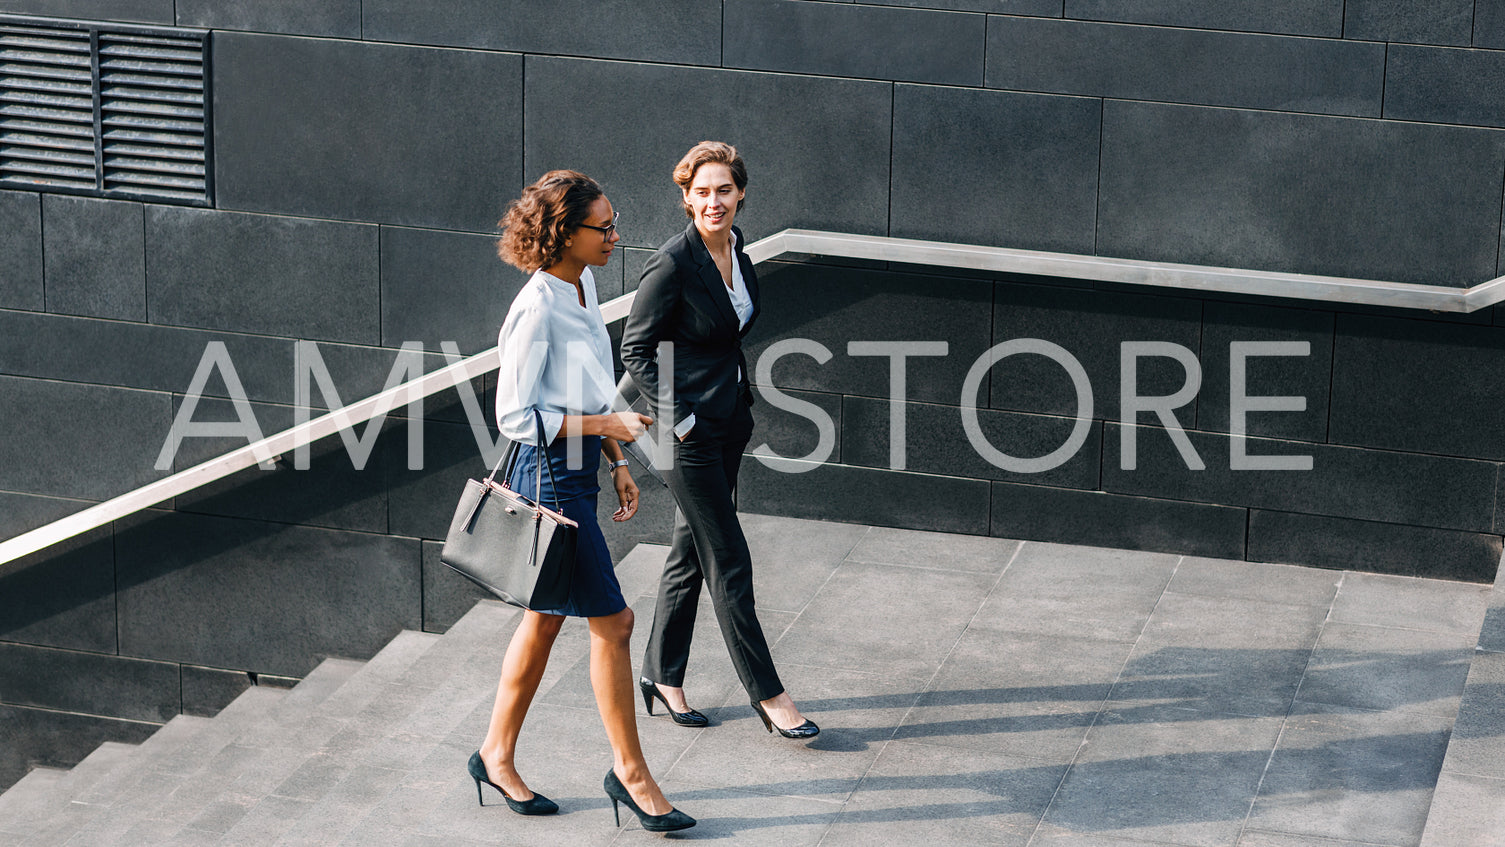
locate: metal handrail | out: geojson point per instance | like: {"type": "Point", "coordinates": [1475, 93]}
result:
{"type": "Point", "coordinates": [796, 241]}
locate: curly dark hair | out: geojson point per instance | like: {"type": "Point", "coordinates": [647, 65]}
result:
{"type": "Point", "coordinates": [536, 225]}
{"type": "Point", "coordinates": [707, 153]}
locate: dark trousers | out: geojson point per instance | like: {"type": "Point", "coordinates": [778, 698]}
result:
{"type": "Point", "coordinates": [709, 548]}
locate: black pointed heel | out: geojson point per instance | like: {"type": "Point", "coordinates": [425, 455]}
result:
{"type": "Point", "coordinates": [808, 729]}
{"type": "Point", "coordinates": [651, 692]}
{"type": "Point", "coordinates": [538, 805]}
{"type": "Point", "coordinates": [673, 820]}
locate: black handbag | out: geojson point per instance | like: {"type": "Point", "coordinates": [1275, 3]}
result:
{"type": "Point", "coordinates": [517, 549]}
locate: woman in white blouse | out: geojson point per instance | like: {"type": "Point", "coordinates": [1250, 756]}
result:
{"type": "Point", "coordinates": [554, 394]}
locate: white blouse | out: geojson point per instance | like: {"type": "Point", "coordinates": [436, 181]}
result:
{"type": "Point", "coordinates": [555, 358]}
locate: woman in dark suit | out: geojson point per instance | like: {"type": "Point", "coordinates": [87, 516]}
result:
{"type": "Point", "coordinates": [700, 293]}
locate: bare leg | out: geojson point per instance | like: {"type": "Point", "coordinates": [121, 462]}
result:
{"type": "Point", "coordinates": [611, 677]}
{"type": "Point", "coordinates": [675, 696]}
{"type": "Point", "coordinates": [522, 670]}
{"type": "Point", "coordinates": [782, 711]}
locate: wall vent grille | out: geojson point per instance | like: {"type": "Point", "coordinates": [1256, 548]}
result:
{"type": "Point", "coordinates": [108, 111]}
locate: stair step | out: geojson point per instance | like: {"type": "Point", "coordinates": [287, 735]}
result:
{"type": "Point", "coordinates": [19, 804]}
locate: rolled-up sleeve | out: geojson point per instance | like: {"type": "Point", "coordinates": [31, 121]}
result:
{"type": "Point", "coordinates": [523, 345]}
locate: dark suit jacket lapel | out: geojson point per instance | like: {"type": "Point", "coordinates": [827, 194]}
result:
{"type": "Point", "coordinates": [710, 277]}
{"type": "Point", "coordinates": [750, 279]}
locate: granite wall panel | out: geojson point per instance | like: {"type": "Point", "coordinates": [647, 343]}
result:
{"type": "Point", "coordinates": [269, 598]}
{"type": "Point", "coordinates": [795, 433]}
{"type": "Point", "coordinates": [1040, 513]}
{"type": "Point", "coordinates": [85, 441]}
{"type": "Point", "coordinates": [1438, 22]}
{"type": "Point", "coordinates": [676, 31]}
{"type": "Point", "coordinates": [866, 496]}
{"type": "Point", "coordinates": [57, 739]}
{"type": "Point", "coordinates": [422, 502]}
{"type": "Point", "coordinates": [1336, 196]}
{"type": "Point", "coordinates": [1308, 376]}
{"type": "Point", "coordinates": [1442, 85]}
{"type": "Point", "coordinates": [208, 690]}
{"type": "Point", "coordinates": [833, 306]}
{"type": "Point", "coordinates": [94, 257]}
{"type": "Point", "coordinates": [1091, 325]}
{"type": "Point", "coordinates": [24, 512]}
{"type": "Point", "coordinates": [331, 18]}
{"type": "Point", "coordinates": [21, 250]}
{"type": "Point", "coordinates": [1489, 23]}
{"type": "Point", "coordinates": [1039, 8]}
{"type": "Point", "coordinates": [134, 11]}
{"type": "Point", "coordinates": [1186, 66]}
{"type": "Point", "coordinates": [445, 286]}
{"type": "Point", "coordinates": [364, 131]}
{"type": "Point", "coordinates": [293, 277]}
{"type": "Point", "coordinates": [1346, 482]}
{"type": "Point", "coordinates": [1419, 386]}
{"type": "Point", "coordinates": [1330, 542]}
{"type": "Point", "coordinates": [63, 596]}
{"type": "Point", "coordinates": [818, 160]}
{"type": "Point", "coordinates": [90, 683]}
{"type": "Point", "coordinates": [1027, 165]}
{"type": "Point", "coordinates": [1291, 17]}
{"type": "Point", "coordinates": [916, 45]}
{"type": "Point", "coordinates": [936, 443]}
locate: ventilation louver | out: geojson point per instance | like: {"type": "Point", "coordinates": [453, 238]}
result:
{"type": "Point", "coordinates": [109, 111]}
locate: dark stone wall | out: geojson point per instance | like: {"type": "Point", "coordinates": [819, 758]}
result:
{"type": "Point", "coordinates": [364, 150]}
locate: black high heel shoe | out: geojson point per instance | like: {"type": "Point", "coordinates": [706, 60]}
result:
{"type": "Point", "coordinates": [537, 805]}
{"type": "Point", "coordinates": [669, 822]}
{"type": "Point", "coordinates": [650, 691]}
{"type": "Point", "coordinates": [808, 729]}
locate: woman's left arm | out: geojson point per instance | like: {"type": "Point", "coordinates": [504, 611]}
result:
{"type": "Point", "coordinates": [621, 479]}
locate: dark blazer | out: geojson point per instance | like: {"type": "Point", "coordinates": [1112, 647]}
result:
{"type": "Point", "coordinates": [682, 299]}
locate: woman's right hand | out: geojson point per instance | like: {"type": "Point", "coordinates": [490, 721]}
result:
{"type": "Point", "coordinates": [624, 426]}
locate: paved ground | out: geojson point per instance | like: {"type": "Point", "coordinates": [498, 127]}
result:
{"type": "Point", "coordinates": [986, 691]}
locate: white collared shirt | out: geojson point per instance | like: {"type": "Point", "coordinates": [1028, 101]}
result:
{"type": "Point", "coordinates": [552, 349]}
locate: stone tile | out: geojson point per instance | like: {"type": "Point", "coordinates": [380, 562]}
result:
{"type": "Point", "coordinates": [1489, 23]}
{"type": "Point", "coordinates": [1370, 546]}
{"type": "Point", "coordinates": [1039, 513]}
{"type": "Point", "coordinates": [787, 427]}
{"type": "Point", "coordinates": [24, 512]}
{"type": "Point", "coordinates": [1309, 376]}
{"type": "Point", "coordinates": [63, 596]}
{"type": "Point", "coordinates": [935, 441]}
{"type": "Point", "coordinates": [1165, 774]}
{"type": "Point", "coordinates": [1284, 584]}
{"type": "Point", "coordinates": [854, 41]}
{"type": "Point", "coordinates": [1465, 812]}
{"type": "Point", "coordinates": [794, 558]}
{"type": "Point", "coordinates": [201, 590]}
{"type": "Point", "coordinates": [1346, 482]}
{"type": "Point", "coordinates": [21, 250]}
{"type": "Point", "coordinates": [1255, 838]}
{"type": "Point", "coordinates": [1034, 157]}
{"type": "Point", "coordinates": [1017, 694]}
{"type": "Point", "coordinates": [255, 273]}
{"type": "Point", "coordinates": [1219, 654]}
{"type": "Point", "coordinates": [423, 137]}
{"type": "Point", "coordinates": [1186, 66]}
{"type": "Point", "coordinates": [444, 286]}
{"type": "Point", "coordinates": [136, 11]}
{"type": "Point", "coordinates": [838, 628]}
{"type": "Point", "coordinates": [85, 441]}
{"type": "Point", "coordinates": [1476, 745]}
{"type": "Point", "coordinates": [863, 495]}
{"type": "Point", "coordinates": [1444, 86]}
{"type": "Point", "coordinates": [1077, 592]}
{"type": "Point", "coordinates": [208, 690]}
{"type": "Point", "coordinates": [1362, 776]}
{"type": "Point", "coordinates": [916, 794]}
{"type": "Point", "coordinates": [1040, 8]}
{"type": "Point", "coordinates": [1248, 189]}
{"type": "Point", "coordinates": [1419, 386]}
{"type": "Point", "coordinates": [1396, 670]}
{"type": "Point", "coordinates": [934, 550]}
{"type": "Point", "coordinates": [828, 138]}
{"type": "Point", "coordinates": [421, 503]}
{"type": "Point", "coordinates": [95, 257]}
{"type": "Point", "coordinates": [1430, 605]}
{"type": "Point", "coordinates": [1055, 836]}
{"type": "Point", "coordinates": [33, 737]}
{"type": "Point", "coordinates": [341, 19]}
{"type": "Point", "coordinates": [1091, 326]}
{"type": "Point", "coordinates": [679, 31]}
{"type": "Point", "coordinates": [857, 305]}
{"type": "Point", "coordinates": [1449, 22]}
{"type": "Point", "coordinates": [1291, 17]}
{"type": "Point", "coordinates": [89, 683]}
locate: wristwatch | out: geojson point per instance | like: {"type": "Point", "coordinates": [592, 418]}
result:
{"type": "Point", "coordinates": [620, 463]}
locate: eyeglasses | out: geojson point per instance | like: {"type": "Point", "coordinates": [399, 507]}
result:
{"type": "Point", "coordinates": [606, 231]}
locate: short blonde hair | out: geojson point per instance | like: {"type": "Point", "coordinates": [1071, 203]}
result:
{"type": "Point", "coordinates": [709, 153]}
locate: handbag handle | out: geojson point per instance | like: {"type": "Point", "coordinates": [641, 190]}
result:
{"type": "Point", "coordinates": [511, 455]}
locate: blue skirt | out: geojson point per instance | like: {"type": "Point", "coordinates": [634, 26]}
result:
{"type": "Point", "coordinates": [594, 590]}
